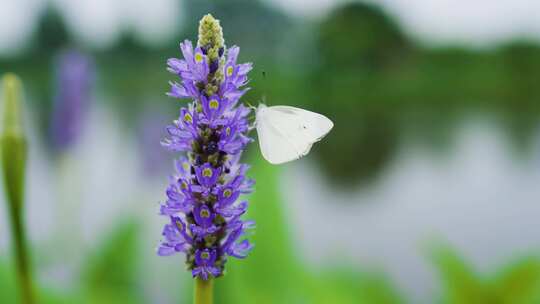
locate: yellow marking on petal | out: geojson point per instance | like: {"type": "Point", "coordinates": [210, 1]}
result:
{"type": "Point", "coordinates": [185, 166]}
{"type": "Point", "coordinates": [183, 185]}
{"type": "Point", "coordinates": [188, 118]}
{"type": "Point", "coordinates": [227, 193]}
{"type": "Point", "coordinates": [229, 71]}
{"type": "Point", "coordinates": [205, 213]}
{"type": "Point", "coordinates": [207, 172]}
{"type": "Point", "coordinates": [179, 225]}
{"type": "Point", "coordinates": [205, 255]}
{"type": "Point", "coordinates": [213, 104]}
{"type": "Point", "coordinates": [198, 57]}
{"type": "Point", "coordinates": [228, 131]}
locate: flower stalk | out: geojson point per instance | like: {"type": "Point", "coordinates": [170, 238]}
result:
{"type": "Point", "coordinates": [204, 293]}
{"type": "Point", "coordinates": [14, 150]}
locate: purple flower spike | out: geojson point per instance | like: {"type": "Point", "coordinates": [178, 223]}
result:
{"type": "Point", "coordinates": [74, 82]}
{"type": "Point", "coordinates": [211, 132]}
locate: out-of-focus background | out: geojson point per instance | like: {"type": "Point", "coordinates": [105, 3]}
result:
{"type": "Point", "coordinates": [426, 191]}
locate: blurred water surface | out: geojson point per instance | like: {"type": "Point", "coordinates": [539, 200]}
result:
{"type": "Point", "coordinates": [480, 197]}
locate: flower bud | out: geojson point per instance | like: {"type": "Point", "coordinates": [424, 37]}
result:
{"type": "Point", "coordinates": [210, 36]}
{"type": "Point", "coordinates": [13, 143]}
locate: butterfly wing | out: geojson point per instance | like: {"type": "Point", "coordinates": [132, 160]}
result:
{"type": "Point", "coordinates": [287, 133]}
{"type": "Point", "coordinates": [314, 125]}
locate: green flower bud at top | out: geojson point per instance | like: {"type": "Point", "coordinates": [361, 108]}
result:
{"type": "Point", "coordinates": [211, 41]}
{"type": "Point", "coordinates": [210, 36]}
{"type": "Point", "coordinates": [13, 143]}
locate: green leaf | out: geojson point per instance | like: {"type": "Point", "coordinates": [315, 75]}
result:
{"type": "Point", "coordinates": [8, 289]}
{"type": "Point", "coordinates": [110, 275]}
{"type": "Point", "coordinates": [9, 292]}
{"type": "Point", "coordinates": [460, 282]}
{"type": "Point", "coordinates": [520, 282]}
{"type": "Point", "coordinates": [377, 289]}
{"type": "Point", "coordinates": [346, 286]}
{"type": "Point", "coordinates": [271, 273]}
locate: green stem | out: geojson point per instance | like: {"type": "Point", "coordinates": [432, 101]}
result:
{"type": "Point", "coordinates": [204, 293]}
{"type": "Point", "coordinates": [21, 256]}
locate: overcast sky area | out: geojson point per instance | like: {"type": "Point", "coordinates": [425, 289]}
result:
{"type": "Point", "coordinates": [99, 23]}
{"type": "Point", "coordinates": [477, 23]}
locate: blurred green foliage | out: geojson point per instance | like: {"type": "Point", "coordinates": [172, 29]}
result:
{"type": "Point", "coordinates": [110, 275]}
{"type": "Point", "coordinates": [517, 283]}
{"type": "Point", "coordinates": [347, 286]}
{"type": "Point", "coordinates": [270, 273]}
{"type": "Point", "coordinates": [275, 273]}
{"type": "Point", "coordinates": [9, 294]}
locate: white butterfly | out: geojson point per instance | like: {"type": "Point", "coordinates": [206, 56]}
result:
{"type": "Point", "coordinates": [287, 133]}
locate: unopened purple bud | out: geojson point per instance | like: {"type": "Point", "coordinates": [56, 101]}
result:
{"type": "Point", "coordinates": [214, 66]}
{"type": "Point", "coordinates": [211, 148]}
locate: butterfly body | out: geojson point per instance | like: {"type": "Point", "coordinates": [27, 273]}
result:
{"type": "Point", "coordinates": [287, 133]}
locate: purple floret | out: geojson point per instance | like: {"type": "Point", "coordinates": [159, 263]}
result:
{"type": "Point", "coordinates": [205, 264]}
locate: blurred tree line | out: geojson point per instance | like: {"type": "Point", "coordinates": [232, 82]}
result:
{"type": "Point", "coordinates": [355, 65]}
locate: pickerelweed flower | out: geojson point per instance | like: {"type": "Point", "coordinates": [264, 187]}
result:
{"type": "Point", "coordinates": [202, 205]}
{"type": "Point", "coordinates": [74, 81]}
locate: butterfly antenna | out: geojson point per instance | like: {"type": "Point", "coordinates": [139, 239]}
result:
{"type": "Point", "coordinates": [263, 97]}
